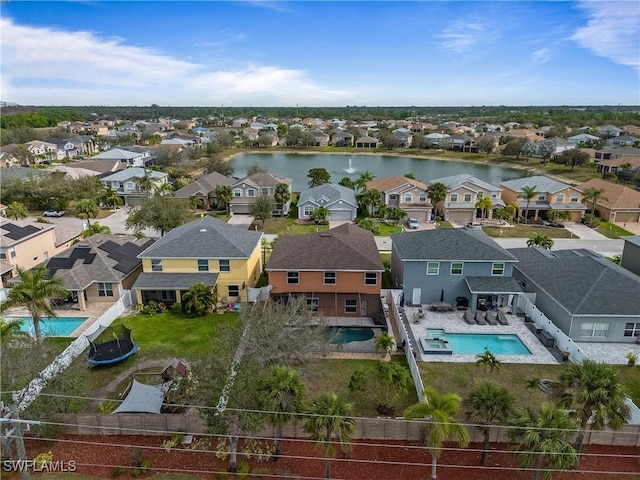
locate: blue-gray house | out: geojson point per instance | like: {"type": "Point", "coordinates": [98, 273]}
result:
{"type": "Point", "coordinates": [452, 265]}
{"type": "Point", "coordinates": [340, 201]}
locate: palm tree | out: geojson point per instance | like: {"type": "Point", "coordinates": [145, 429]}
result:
{"type": "Point", "coordinates": [34, 291]}
{"type": "Point", "coordinates": [163, 189]}
{"type": "Point", "coordinates": [543, 438]}
{"type": "Point", "coordinates": [86, 208]}
{"type": "Point", "coordinates": [10, 329]}
{"type": "Point", "coordinates": [145, 182]}
{"type": "Point", "coordinates": [540, 241]}
{"type": "Point", "coordinates": [595, 394]}
{"type": "Point", "coordinates": [200, 299]}
{"type": "Point", "coordinates": [527, 194]}
{"type": "Point", "coordinates": [440, 410]}
{"type": "Point", "coordinates": [488, 360]}
{"type": "Point", "coordinates": [111, 197]}
{"type": "Point", "coordinates": [282, 391]}
{"type": "Point", "coordinates": [223, 195]}
{"type": "Point", "coordinates": [328, 423]}
{"type": "Point", "coordinates": [437, 194]}
{"type": "Point", "coordinates": [94, 229]}
{"type": "Point", "coordinates": [364, 178]}
{"type": "Point", "coordinates": [17, 211]}
{"type": "Point", "coordinates": [593, 194]}
{"type": "Point", "coordinates": [370, 199]}
{"type": "Point", "coordinates": [489, 404]}
{"type": "Point", "coordinates": [384, 343]}
{"type": "Point", "coordinates": [514, 209]}
{"type": "Point", "coordinates": [282, 194]}
{"type": "Point", "coordinates": [484, 204]}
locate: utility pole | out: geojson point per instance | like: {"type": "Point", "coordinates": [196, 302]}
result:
{"type": "Point", "coordinates": [15, 432]}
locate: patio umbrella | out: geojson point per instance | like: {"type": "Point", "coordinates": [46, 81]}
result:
{"type": "Point", "coordinates": [442, 295]}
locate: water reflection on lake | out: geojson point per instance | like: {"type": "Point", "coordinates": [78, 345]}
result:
{"type": "Point", "coordinates": [296, 166]}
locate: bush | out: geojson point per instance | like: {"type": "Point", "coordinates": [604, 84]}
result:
{"type": "Point", "coordinates": [107, 407]}
{"type": "Point", "coordinates": [117, 471]}
{"type": "Point", "coordinates": [43, 459]}
{"type": "Point", "coordinates": [591, 220]}
{"type": "Point", "coordinates": [222, 475]}
{"type": "Point", "coordinates": [176, 308]}
{"type": "Point", "coordinates": [243, 470]}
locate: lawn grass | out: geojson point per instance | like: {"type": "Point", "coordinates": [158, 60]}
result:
{"type": "Point", "coordinates": [385, 229]}
{"type": "Point", "coordinates": [443, 224]}
{"type": "Point", "coordinates": [519, 230]}
{"type": "Point", "coordinates": [611, 230]}
{"type": "Point", "coordinates": [286, 226]}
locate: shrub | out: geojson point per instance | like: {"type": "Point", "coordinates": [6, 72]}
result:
{"type": "Point", "coordinates": [243, 470]}
{"type": "Point", "coordinates": [223, 449]}
{"type": "Point", "coordinates": [117, 471]}
{"type": "Point", "coordinates": [173, 442]}
{"type": "Point", "coordinates": [222, 475]}
{"type": "Point", "coordinates": [43, 459]}
{"type": "Point", "coordinates": [107, 407]}
{"type": "Point", "coordinates": [261, 450]}
{"type": "Point", "coordinates": [136, 457]}
{"type": "Point", "coordinates": [176, 308]}
{"type": "Point", "coordinates": [591, 220]}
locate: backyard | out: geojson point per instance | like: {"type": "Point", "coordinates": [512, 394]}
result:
{"type": "Point", "coordinates": [519, 230]}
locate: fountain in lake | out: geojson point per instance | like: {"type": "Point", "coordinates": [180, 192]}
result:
{"type": "Point", "coordinates": [350, 168]}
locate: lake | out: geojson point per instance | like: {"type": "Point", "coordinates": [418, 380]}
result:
{"type": "Point", "coordinates": [296, 166]}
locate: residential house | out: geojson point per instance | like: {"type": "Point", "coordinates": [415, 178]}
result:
{"type": "Point", "coordinates": [181, 142]}
{"type": "Point", "coordinates": [340, 201]}
{"type": "Point", "coordinates": [338, 271]}
{"type": "Point", "coordinates": [583, 138]}
{"type": "Point", "coordinates": [7, 157]}
{"type": "Point", "coordinates": [240, 122]}
{"type": "Point", "coordinates": [84, 144]}
{"type": "Point", "coordinates": [126, 184]}
{"type": "Point", "coordinates": [405, 193]}
{"type": "Point", "coordinates": [617, 165]}
{"type": "Point", "coordinates": [204, 189]}
{"type": "Point", "coordinates": [26, 244]}
{"type": "Point", "coordinates": [42, 150]}
{"type": "Point", "coordinates": [99, 268]}
{"type": "Point", "coordinates": [607, 153]}
{"type": "Point", "coordinates": [247, 189]}
{"type": "Point", "coordinates": [367, 142]}
{"type": "Point", "coordinates": [438, 140]}
{"type": "Point", "coordinates": [561, 145]}
{"type": "Point", "coordinates": [459, 266]}
{"type": "Point", "coordinates": [550, 195]}
{"type": "Point", "coordinates": [320, 139]}
{"type": "Point", "coordinates": [623, 141]}
{"type": "Point", "coordinates": [66, 149]}
{"type": "Point", "coordinates": [132, 158]}
{"type": "Point", "coordinates": [608, 131]}
{"type": "Point", "coordinates": [207, 251]}
{"type": "Point", "coordinates": [463, 191]}
{"type": "Point", "coordinates": [586, 296]}
{"type": "Point", "coordinates": [404, 137]}
{"type": "Point", "coordinates": [101, 166]}
{"type": "Point", "coordinates": [342, 139]}
{"type": "Point", "coordinates": [631, 254]}
{"type": "Point", "coordinates": [617, 202]}
{"type": "Point", "coordinates": [22, 173]}
{"type": "Point", "coordinates": [73, 171]}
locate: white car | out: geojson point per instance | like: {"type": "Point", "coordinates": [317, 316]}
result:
{"type": "Point", "coordinates": [412, 223]}
{"type": "Point", "coordinates": [53, 213]}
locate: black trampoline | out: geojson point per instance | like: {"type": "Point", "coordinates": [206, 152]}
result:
{"type": "Point", "coordinates": [109, 345]}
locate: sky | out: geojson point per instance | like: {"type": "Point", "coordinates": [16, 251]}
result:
{"type": "Point", "coordinates": [317, 53]}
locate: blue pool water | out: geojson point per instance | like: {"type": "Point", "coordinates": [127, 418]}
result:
{"type": "Point", "coordinates": [477, 343]}
{"type": "Point", "coordinates": [52, 327]}
{"type": "Point", "coordinates": [351, 334]}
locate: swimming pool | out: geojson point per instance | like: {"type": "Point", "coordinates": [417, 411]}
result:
{"type": "Point", "coordinates": [52, 326]}
{"type": "Point", "coordinates": [477, 343]}
{"type": "Point", "coordinates": [351, 334]}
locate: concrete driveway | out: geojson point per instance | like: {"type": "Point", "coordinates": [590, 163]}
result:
{"type": "Point", "coordinates": [583, 232]}
{"type": "Point", "coordinates": [242, 221]}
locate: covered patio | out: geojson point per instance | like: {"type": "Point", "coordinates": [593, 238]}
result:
{"type": "Point", "coordinates": [168, 287]}
{"type": "Point", "coordinates": [493, 292]}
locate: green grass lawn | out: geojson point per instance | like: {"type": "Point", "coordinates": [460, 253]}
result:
{"type": "Point", "coordinates": [386, 230]}
{"type": "Point", "coordinates": [519, 230]}
{"type": "Point", "coordinates": [611, 230]}
{"type": "Point", "coordinates": [443, 224]}
{"type": "Point", "coordinates": [285, 226]}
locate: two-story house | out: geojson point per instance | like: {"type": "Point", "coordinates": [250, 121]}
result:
{"type": "Point", "coordinates": [205, 250]}
{"type": "Point", "coordinates": [204, 189]}
{"type": "Point", "coordinates": [549, 195]}
{"type": "Point", "coordinates": [459, 266]}
{"type": "Point", "coordinates": [463, 192]}
{"type": "Point", "coordinates": [338, 271]}
{"type": "Point", "coordinates": [128, 184]}
{"type": "Point", "coordinates": [340, 201]}
{"type": "Point", "coordinates": [26, 244]}
{"type": "Point", "coordinates": [99, 268]}
{"type": "Point", "coordinates": [247, 189]}
{"type": "Point", "coordinates": [342, 139]}
{"type": "Point", "coordinates": [617, 203]}
{"type": "Point", "coordinates": [408, 194]}
{"type": "Point", "coordinates": [134, 159]}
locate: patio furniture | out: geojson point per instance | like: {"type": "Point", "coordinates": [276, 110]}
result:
{"type": "Point", "coordinates": [480, 318]}
{"type": "Point", "coordinates": [491, 317]}
{"type": "Point", "coordinates": [441, 306]}
{"type": "Point", "coordinates": [468, 317]}
{"type": "Point", "coordinates": [502, 318]}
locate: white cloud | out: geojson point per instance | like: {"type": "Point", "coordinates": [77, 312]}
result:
{"type": "Point", "coordinates": [612, 31]}
{"type": "Point", "coordinates": [461, 36]}
{"type": "Point", "coordinates": [540, 56]}
{"type": "Point", "coordinates": [82, 68]}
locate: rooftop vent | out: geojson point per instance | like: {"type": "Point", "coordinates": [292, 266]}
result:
{"type": "Point", "coordinates": [203, 229]}
{"type": "Point", "coordinates": [325, 235]}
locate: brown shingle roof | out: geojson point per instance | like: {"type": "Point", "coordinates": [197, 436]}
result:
{"type": "Point", "coordinates": [347, 247]}
{"type": "Point", "coordinates": [618, 196]}
{"type": "Point", "coordinates": [388, 183]}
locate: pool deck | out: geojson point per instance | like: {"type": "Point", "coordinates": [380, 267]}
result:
{"type": "Point", "coordinates": [452, 322]}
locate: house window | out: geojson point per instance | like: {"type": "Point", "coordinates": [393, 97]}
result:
{"type": "Point", "coordinates": [408, 197]}
{"type": "Point", "coordinates": [308, 210]}
{"type": "Point", "coordinates": [423, 197]}
{"type": "Point", "coordinates": [156, 265]}
{"type": "Point", "coordinates": [293, 278]}
{"type": "Point", "coordinates": [480, 194]}
{"type": "Point", "coordinates": [559, 198]}
{"type": "Point", "coordinates": [350, 306]}
{"type": "Point", "coordinates": [3, 255]}
{"type": "Point", "coordinates": [12, 252]}
{"type": "Point", "coordinates": [574, 198]}
{"type": "Point", "coordinates": [233, 290]}
{"type": "Point", "coordinates": [129, 186]}
{"type": "Point", "coordinates": [494, 195]}
{"type": "Point", "coordinates": [454, 198]}
{"type": "Point", "coordinates": [456, 268]}
{"type": "Point", "coordinates": [632, 330]}
{"type": "Point", "coordinates": [312, 304]}
{"type": "Point", "coordinates": [467, 197]}
{"type": "Point", "coordinates": [224, 265]}
{"type": "Point", "coordinates": [265, 191]}
{"type": "Point", "coordinates": [370, 278]}
{"type": "Point", "coordinates": [433, 268]}
{"type": "Point", "coordinates": [237, 192]}
{"type": "Point", "coordinates": [251, 192]}
{"type": "Point", "coordinates": [329, 278]}
{"type": "Point", "coordinates": [542, 197]}
{"type": "Point", "coordinates": [105, 289]}
{"type": "Point", "coordinates": [203, 265]}
{"type": "Point", "coordinates": [497, 269]}
{"type": "Point", "coordinates": [594, 329]}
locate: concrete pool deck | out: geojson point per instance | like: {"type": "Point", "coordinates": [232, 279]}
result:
{"type": "Point", "coordinates": [452, 322]}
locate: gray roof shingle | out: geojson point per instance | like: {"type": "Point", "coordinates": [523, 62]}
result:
{"type": "Point", "coordinates": [542, 184]}
{"type": "Point", "coordinates": [206, 237]}
{"type": "Point", "coordinates": [172, 281]}
{"type": "Point", "coordinates": [204, 185]}
{"type": "Point", "coordinates": [331, 192]}
{"type": "Point", "coordinates": [449, 244]}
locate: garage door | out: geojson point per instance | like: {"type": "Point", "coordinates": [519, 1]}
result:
{"type": "Point", "coordinates": [341, 215]}
{"type": "Point", "coordinates": [626, 217]}
{"type": "Point", "coordinates": [239, 209]}
{"type": "Point", "coordinates": [463, 216]}
{"type": "Point", "coordinates": [418, 214]}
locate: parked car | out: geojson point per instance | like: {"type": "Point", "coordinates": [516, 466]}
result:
{"type": "Point", "coordinates": [412, 223]}
{"type": "Point", "coordinates": [53, 213]}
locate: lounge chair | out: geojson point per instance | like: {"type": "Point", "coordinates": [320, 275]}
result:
{"type": "Point", "coordinates": [480, 318]}
{"type": "Point", "coordinates": [468, 317]}
{"type": "Point", "coordinates": [502, 318]}
{"type": "Point", "coordinates": [491, 317]}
